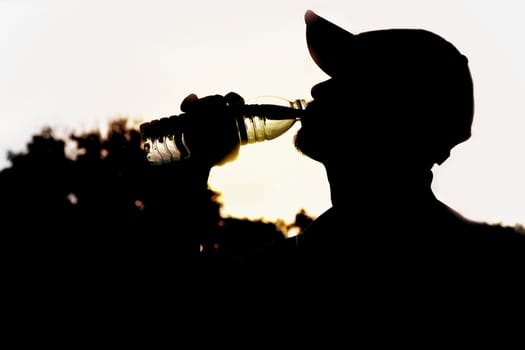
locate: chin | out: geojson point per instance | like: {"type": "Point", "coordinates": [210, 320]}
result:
{"type": "Point", "coordinates": [307, 146]}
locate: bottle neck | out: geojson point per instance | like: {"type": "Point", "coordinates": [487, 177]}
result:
{"type": "Point", "coordinates": [275, 112]}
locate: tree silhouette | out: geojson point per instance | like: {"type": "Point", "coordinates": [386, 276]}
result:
{"type": "Point", "coordinates": [106, 205]}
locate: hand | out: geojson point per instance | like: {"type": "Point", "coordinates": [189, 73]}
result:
{"type": "Point", "coordinates": [212, 133]}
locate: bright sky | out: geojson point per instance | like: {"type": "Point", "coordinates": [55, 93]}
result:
{"type": "Point", "coordinates": [74, 65]}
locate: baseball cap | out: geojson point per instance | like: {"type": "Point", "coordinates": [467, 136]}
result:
{"type": "Point", "coordinates": [336, 50]}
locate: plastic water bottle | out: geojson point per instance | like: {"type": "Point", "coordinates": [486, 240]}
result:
{"type": "Point", "coordinates": [264, 118]}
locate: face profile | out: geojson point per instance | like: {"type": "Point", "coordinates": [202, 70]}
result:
{"type": "Point", "coordinates": [408, 92]}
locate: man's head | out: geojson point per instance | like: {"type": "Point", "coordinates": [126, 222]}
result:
{"type": "Point", "coordinates": [404, 95]}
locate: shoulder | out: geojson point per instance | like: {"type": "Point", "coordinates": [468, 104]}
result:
{"type": "Point", "coordinates": [496, 241]}
{"type": "Point", "coordinates": [451, 240]}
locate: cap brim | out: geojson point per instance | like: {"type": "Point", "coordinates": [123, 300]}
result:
{"type": "Point", "coordinates": [327, 42]}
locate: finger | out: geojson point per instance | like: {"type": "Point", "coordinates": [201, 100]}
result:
{"type": "Point", "coordinates": [234, 99]}
{"type": "Point", "coordinates": [188, 102]}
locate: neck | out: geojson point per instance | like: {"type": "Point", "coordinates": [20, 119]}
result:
{"type": "Point", "coordinates": [382, 190]}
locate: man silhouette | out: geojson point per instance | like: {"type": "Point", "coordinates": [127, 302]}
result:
{"type": "Point", "coordinates": [396, 103]}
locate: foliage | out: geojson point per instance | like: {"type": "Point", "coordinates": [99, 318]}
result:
{"type": "Point", "coordinates": [106, 198]}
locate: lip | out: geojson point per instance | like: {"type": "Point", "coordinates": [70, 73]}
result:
{"type": "Point", "coordinates": [310, 110]}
